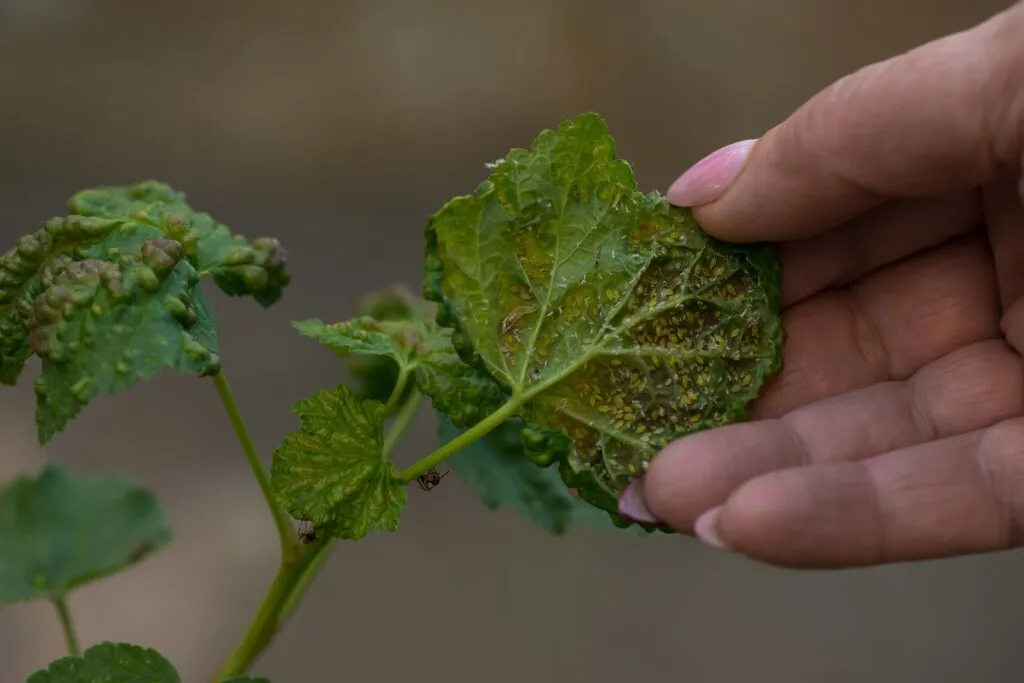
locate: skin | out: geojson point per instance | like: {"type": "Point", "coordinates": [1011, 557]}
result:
{"type": "Point", "coordinates": [896, 430]}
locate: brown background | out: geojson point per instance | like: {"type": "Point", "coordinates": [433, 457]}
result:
{"type": "Point", "coordinates": [339, 127]}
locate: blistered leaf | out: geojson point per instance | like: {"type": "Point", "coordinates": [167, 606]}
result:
{"type": "Point", "coordinates": [60, 530]}
{"type": "Point", "coordinates": [333, 473]}
{"type": "Point", "coordinates": [497, 469]}
{"type": "Point", "coordinates": [605, 313]}
{"type": "Point", "coordinates": [110, 663]}
{"type": "Point", "coordinates": [109, 295]}
{"type": "Point", "coordinates": [153, 210]}
{"type": "Point", "coordinates": [27, 270]}
{"type": "Point", "coordinates": [420, 346]}
{"type": "Point", "coordinates": [102, 327]}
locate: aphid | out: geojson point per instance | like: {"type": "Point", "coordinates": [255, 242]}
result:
{"type": "Point", "coordinates": [307, 533]}
{"type": "Point", "coordinates": [510, 320]}
{"type": "Point", "coordinates": [429, 479]}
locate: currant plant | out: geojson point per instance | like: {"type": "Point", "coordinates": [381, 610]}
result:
{"type": "Point", "coordinates": [569, 327]}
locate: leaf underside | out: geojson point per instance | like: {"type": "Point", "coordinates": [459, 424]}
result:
{"type": "Point", "coordinates": [496, 468]}
{"type": "Point", "coordinates": [60, 530]}
{"type": "Point", "coordinates": [110, 295]}
{"type": "Point", "coordinates": [607, 315]}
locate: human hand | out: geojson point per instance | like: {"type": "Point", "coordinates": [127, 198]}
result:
{"type": "Point", "coordinates": [895, 430]}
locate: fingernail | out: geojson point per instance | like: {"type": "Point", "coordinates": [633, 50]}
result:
{"type": "Point", "coordinates": [705, 181]}
{"type": "Point", "coordinates": [706, 529]}
{"type": "Point", "coordinates": [633, 505]}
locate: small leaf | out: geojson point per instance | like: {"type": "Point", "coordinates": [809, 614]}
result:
{"type": "Point", "coordinates": [333, 472]}
{"type": "Point", "coordinates": [461, 391]}
{"type": "Point", "coordinates": [152, 210]}
{"type": "Point", "coordinates": [402, 341]}
{"type": "Point", "coordinates": [59, 531]}
{"type": "Point", "coordinates": [102, 327]}
{"type": "Point", "coordinates": [110, 663]}
{"type": "Point", "coordinates": [606, 314]}
{"type": "Point", "coordinates": [496, 468]}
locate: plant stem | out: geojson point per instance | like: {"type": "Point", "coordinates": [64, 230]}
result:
{"type": "Point", "coordinates": [289, 546]}
{"type": "Point", "coordinates": [264, 625]}
{"type": "Point", "coordinates": [396, 393]}
{"type": "Point", "coordinates": [309, 574]}
{"type": "Point", "coordinates": [477, 431]}
{"type": "Point", "coordinates": [298, 571]}
{"type": "Point", "coordinates": [66, 625]}
{"type": "Point", "coordinates": [406, 414]}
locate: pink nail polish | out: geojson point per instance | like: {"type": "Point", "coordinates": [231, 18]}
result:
{"type": "Point", "coordinates": [633, 505]}
{"type": "Point", "coordinates": [706, 529]}
{"type": "Point", "coordinates": [705, 181]}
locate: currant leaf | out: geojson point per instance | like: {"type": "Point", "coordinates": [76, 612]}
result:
{"type": "Point", "coordinates": [59, 530]}
{"type": "Point", "coordinates": [606, 314]}
{"type": "Point", "coordinates": [152, 210]}
{"type": "Point", "coordinates": [110, 663]}
{"type": "Point", "coordinates": [333, 473]}
{"type": "Point", "coordinates": [500, 473]}
{"type": "Point", "coordinates": [420, 347]}
{"type": "Point", "coordinates": [102, 327]}
{"type": "Point", "coordinates": [118, 663]}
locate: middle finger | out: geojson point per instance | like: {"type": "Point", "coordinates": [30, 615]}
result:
{"type": "Point", "coordinates": [886, 325]}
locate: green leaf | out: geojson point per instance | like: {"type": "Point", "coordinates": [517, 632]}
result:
{"type": "Point", "coordinates": [405, 341]}
{"type": "Point", "coordinates": [109, 295]}
{"type": "Point", "coordinates": [153, 210]}
{"type": "Point", "coordinates": [496, 468]}
{"type": "Point", "coordinates": [102, 327]}
{"type": "Point", "coordinates": [605, 313]}
{"type": "Point", "coordinates": [60, 530]}
{"type": "Point", "coordinates": [415, 345]}
{"type": "Point", "coordinates": [333, 473]}
{"type": "Point", "coordinates": [110, 663]}
{"type": "Point", "coordinates": [27, 270]}
{"type": "Point", "coordinates": [118, 663]}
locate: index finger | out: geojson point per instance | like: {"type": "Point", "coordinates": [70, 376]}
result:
{"type": "Point", "coordinates": [941, 118]}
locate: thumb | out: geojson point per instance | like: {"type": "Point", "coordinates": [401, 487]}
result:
{"type": "Point", "coordinates": [947, 116]}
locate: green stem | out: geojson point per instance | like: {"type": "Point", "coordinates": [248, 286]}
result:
{"type": "Point", "coordinates": [396, 393]}
{"type": "Point", "coordinates": [406, 414]}
{"type": "Point", "coordinates": [263, 627]}
{"type": "Point", "coordinates": [67, 626]}
{"type": "Point", "coordinates": [298, 571]}
{"type": "Point", "coordinates": [289, 546]}
{"type": "Point", "coordinates": [309, 574]}
{"type": "Point", "coordinates": [477, 431]}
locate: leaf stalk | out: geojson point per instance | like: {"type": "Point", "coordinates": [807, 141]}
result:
{"type": "Point", "coordinates": [289, 545]}
{"type": "Point", "coordinates": [60, 603]}
{"type": "Point", "coordinates": [477, 431]}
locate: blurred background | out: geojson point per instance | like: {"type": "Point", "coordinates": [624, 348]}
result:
{"type": "Point", "coordinates": [339, 127]}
